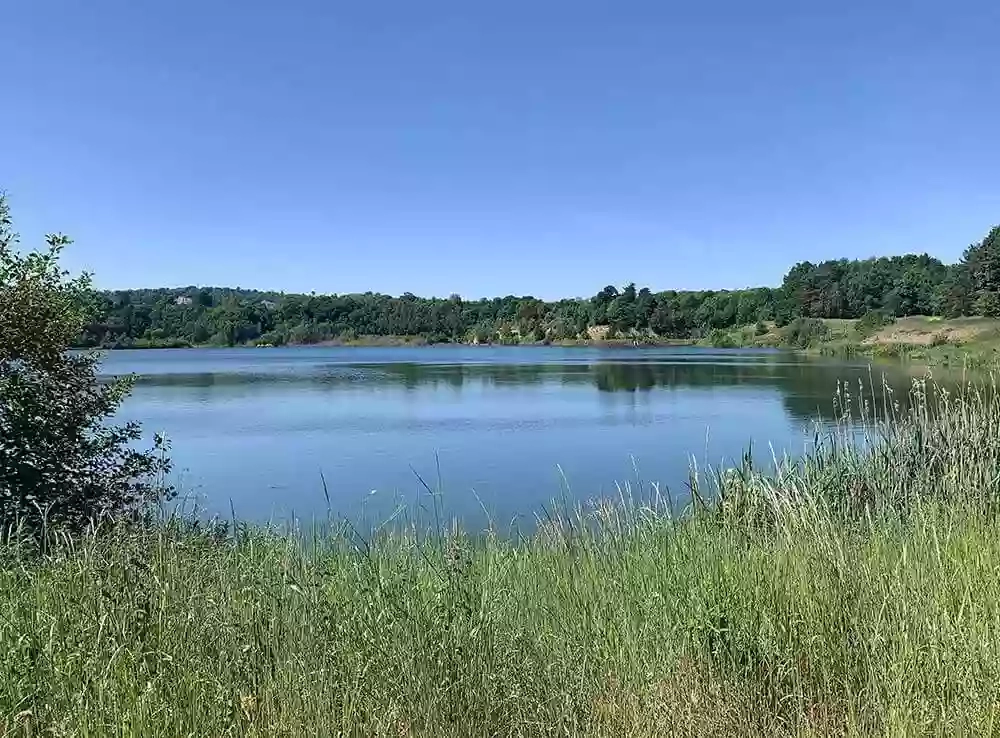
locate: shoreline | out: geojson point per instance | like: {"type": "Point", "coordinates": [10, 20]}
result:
{"type": "Point", "coordinates": [414, 342]}
{"type": "Point", "coordinates": [970, 342]}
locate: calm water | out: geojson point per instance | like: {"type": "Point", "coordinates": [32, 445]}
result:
{"type": "Point", "coordinates": [254, 429]}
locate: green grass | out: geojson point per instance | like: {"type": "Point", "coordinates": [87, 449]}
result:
{"type": "Point", "coordinates": [853, 592]}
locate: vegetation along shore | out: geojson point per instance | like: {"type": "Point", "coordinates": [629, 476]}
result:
{"type": "Point", "coordinates": [841, 305]}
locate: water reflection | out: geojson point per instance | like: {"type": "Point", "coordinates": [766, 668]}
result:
{"type": "Point", "coordinates": [807, 388]}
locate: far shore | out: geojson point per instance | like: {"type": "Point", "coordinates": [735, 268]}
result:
{"type": "Point", "coordinates": [972, 342]}
{"type": "Point", "coordinates": [421, 342]}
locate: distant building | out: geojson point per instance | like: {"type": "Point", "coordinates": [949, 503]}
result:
{"type": "Point", "coordinates": [183, 300]}
{"type": "Point", "coordinates": [268, 304]}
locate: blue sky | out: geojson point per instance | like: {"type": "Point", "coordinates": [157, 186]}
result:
{"type": "Point", "coordinates": [546, 147]}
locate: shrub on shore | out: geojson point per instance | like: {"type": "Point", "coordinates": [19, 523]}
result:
{"type": "Point", "coordinates": [804, 332]}
{"type": "Point", "coordinates": [872, 322]}
{"type": "Point", "coordinates": [62, 462]}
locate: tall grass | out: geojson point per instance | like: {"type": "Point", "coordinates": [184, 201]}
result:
{"type": "Point", "coordinates": [851, 592]}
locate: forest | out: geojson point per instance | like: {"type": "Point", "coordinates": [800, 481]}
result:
{"type": "Point", "coordinates": [877, 288]}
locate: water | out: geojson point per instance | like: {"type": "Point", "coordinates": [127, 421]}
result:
{"type": "Point", "coordinates": [501, 431]}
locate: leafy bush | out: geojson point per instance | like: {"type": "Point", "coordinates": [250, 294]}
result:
{"type": "Point", "coordinates": [482, 333]}
{"type": "Point", "coordinates": [721, 338]}
{"type": "Point", "coordinates": [892, 350]}
{"type": "Point", "coordinates": [987, 304]}
{"type": "Point", "coordinates": [305, 333]}
{"type": "Point", "coordinates": [61, 462]}
{"type": "Point", "coordinates": [804, 332]}
{"type": "Point", "coordinates": [872, 322]}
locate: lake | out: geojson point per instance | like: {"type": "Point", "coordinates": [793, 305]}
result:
{"type": "Point", "coordinates": [500, 431]}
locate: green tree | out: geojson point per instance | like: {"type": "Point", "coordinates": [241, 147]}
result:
{"type": "Point", "coordinates": [983, 262]}
{"type": "Point", "coordinates": [600, 303]}
{"type": "Point", "coordinates": [62, 462]}
{"type": "Point", "coordinates": [913, 293]}
{"type": "Point", "coordinates": [662, 320]}
{"type": "Point", "coordinates": [645, 304]}
{"type": "Point", "coordinates": [987, 304]}
{"type": "Point", "coordinates": [954, 295]}
{"type": "Point", "coordinates": [621, 312]}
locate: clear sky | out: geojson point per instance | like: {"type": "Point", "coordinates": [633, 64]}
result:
{"type": "Point", "coordinates": [543, 147]}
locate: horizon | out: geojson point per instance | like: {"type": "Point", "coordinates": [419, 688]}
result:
{"type": "Point", "coordinates": [493, 151]}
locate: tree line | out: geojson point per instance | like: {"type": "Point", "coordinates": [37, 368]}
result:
{"type": "Point", "coordinates": [885, 287]}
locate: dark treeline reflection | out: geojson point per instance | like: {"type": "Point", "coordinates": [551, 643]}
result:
{"type": "Point", "coordinates": [807, 388]}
